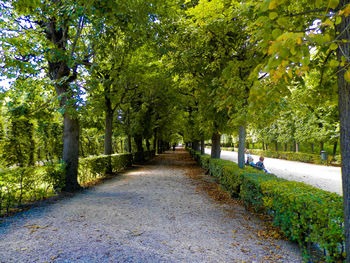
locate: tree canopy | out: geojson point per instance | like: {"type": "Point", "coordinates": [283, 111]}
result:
{"type": "Point", "coordinates": [93, 77]}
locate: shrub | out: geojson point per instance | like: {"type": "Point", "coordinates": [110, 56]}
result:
{"type": "Point", "coordinates": [54, 175]}
{"type": "Point", "coordinates": [94, 167]}
{"type": "Point", "coordinates": [232, 178]}
{"type": "Point", "coordinates": [216, 166]}
{"type": "Point", "coordinates": [21, 185]}
{"type": "Point", "coordinates": [306, 215]}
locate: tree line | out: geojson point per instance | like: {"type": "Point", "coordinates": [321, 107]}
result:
{"type": "Point", "coordinates": [93, 72]}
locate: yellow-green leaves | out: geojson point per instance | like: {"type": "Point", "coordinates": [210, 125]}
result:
{"type": "Point", "coordinates": [347, 75]}
{"type": "Point", "coordinates": [345, 12]}
{"type": "Point", "coordinates": [273, 15]}
{"type": "Point", "coordinates": [273, 4]}
{"type": "Point", "coordinates": [333, 4]}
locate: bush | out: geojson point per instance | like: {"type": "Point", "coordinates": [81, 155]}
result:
{"type": "Point", "coordinates": [232, 177]}
{"type": "Point", "coordinates": [54, 175]}
{"type": "Point", "coordinates": [22, 185]}
{"type": "Point", "coordinates": [216, 167]}
{"type": "Point", "coordinates": [307, 215]}
{"type": "Point", "coordinates": [94, 167]}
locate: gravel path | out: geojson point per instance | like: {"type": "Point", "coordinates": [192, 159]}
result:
{"type": "Point", "coordinates": [165, 211]}
{"type": "Point", "coordinates": [320, 176]}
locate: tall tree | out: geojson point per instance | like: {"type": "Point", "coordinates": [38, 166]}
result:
{"type": "Point", "coordinates": [298, 36]}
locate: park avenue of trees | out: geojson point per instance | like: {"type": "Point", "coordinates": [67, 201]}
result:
{"type": "Point", "coordinates": [99, 77]}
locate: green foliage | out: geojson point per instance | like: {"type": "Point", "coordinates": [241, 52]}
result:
{"type": "Point", "coordinates": [91, 168]}
{"type": "Point", "coordinates": [216, 167]}
{"type": "Point", "coordinates": [23, 185]}
{"type": "Point", "coordinates": [55, 175]}
{"type": "Point", "coordinates": [306, 215]}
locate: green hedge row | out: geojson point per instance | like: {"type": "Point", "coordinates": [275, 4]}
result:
{"type": "Point", "coordinates": [23, 185]}
{"type": "Point", "coordinates": [94, 167]}
{"type": "Point", "coordinates": [309, 216]}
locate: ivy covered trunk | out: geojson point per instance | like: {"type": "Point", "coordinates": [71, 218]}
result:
{"type": "Point", "coordinates": [241, 144]}
{"type": "Point", "coordinates": [343, 36]}
{"type": "Point", "coordinates": [215, 145]}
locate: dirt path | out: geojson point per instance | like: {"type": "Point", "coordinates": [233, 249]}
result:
{"type": "Point", "coordinates": [165, 211]}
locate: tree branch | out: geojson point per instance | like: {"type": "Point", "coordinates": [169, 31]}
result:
{"type": "Point", "coordinates": [308, 12]}
{"type": "Point", "coordinates": [80, 28]}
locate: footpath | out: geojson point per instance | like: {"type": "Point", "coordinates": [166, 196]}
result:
{"type": "Point", "coordinates": [165, 211]}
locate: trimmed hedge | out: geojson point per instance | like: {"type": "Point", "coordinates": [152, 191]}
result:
{"type": "Point", "coordinates": [309, 216]}
{"type": "Point", "coordinates": [23, 185]}
{"type": "Point", "coordinates": [94, 167]}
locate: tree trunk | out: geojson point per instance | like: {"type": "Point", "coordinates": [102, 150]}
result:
{"type": "Point", "coordinates": [312, 147]}
{"type": "Point", "coordinates": [321, 146]}
{"type": "Point", "coordinates": [138, 142]}
{"type": "Point", "coordinates": [159, 146]}
{"type": "Point", "coordinates": [82, 152]}
{"type": "Point", "coordinates": [263, 146]}
{"type": "Point", "coordinates": [276, 146]}
{"type": "Point", "coordinates": [202, 147]}
{"type": "Point", "coordinates": [155, 140]}
{"type": "Point", "coordinates": [215, 147]}
{"type": "Point", "coordinates": [148, 145]}
{"type": "Point", "coordinates": [297, 147]}
{"type": "Point", "coordinates": [335, 149]}
{"type": "Point", "coordinates": [196, 145]}
{"type": "Point", "coordinates": [344, 112]}
{"type": "Point", "coordinates": [285, 147]}
{"type": "Point", "coordinates": [241, 146]}
{"type": "Point", "coordinates": [108, 128]}
{"type": "Point", "coordinates": [266, 146]}
{"type": "Point", "coordinates": [71, 152]}
{"type": "Point", "coordinates": [60, 70]}
{"type": "Point", "coordinates": [129, 144]}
